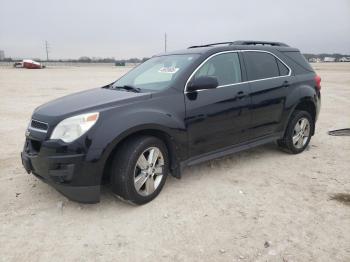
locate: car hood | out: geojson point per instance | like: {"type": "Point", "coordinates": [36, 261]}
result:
{"type": "Point", "coordinates": [90, 100]}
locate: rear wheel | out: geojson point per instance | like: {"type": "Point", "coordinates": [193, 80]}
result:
{"type": "Point", "coordinates": [139, 169]}
{"type": "Point", "coordinates": [298, 132]}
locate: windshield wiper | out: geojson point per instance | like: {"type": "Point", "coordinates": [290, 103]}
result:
{"type": "Point", "coordinates": [129, 88]}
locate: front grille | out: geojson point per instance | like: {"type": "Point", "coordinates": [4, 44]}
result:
{"type": "Point", "coordinates": [39, 125]}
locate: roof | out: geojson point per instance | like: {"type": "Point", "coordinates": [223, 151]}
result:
{"type": "Point", "coordinates": [235, 45]}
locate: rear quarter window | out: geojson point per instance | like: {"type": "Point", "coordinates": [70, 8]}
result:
{"type": "Point", "coordinates": [299, 59]}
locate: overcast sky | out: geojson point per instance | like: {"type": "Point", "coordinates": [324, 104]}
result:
{"type": "Point", "coordinates": [130, 28]}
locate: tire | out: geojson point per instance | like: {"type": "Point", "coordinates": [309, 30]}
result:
{"type": "Point", "coordinates": [297, 120]}
{"type": "Point", "coordinates": [133, 174]}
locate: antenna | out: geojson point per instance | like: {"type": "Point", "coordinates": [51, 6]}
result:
{"type": "Point", "coordinates": [47, 50]}
{"type": "Point", "coordinates": [165, 42]}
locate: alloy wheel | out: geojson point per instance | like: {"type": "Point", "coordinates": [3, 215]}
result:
{"type": "Point", "coordinates": [301, 132]}
{"type": "Point", "coordinates": [149, 170]}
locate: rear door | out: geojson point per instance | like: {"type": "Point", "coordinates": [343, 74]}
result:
{"type": "Point", "coordinates": [269, 79]}
{"type": "Point", "coordinates": [217, 118]}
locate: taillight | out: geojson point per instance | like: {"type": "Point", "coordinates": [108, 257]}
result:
{"type": "Point", "coordinates": [318, 82]}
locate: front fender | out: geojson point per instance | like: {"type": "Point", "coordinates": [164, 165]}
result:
{"type": "Point", "coordinates": [117, 124]}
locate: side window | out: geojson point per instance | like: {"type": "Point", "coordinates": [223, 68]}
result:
{"type": "Point", "coordinates": [282, 68]}
{"type": "Point", "coordinates": [225, 67]}
{"type": "Point", "coordinates": [261, 65]}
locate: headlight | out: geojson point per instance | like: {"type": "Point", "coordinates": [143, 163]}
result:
{"type": "Point", "coordinates": [72, 128]}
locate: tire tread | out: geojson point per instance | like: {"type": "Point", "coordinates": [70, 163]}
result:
{"type": "Point", "coordinates": [123, 165]}
{"type": "Point", "coordinates": [286, 143]}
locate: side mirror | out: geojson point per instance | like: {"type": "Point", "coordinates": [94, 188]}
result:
{"type": "Point", "coordinates": [203, 82]}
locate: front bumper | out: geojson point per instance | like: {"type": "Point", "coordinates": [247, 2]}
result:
{"type": "Point", "coordinates": [67, 173]}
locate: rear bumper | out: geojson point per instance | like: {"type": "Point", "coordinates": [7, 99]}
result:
{"type": "Point", "coordinates": [62, 172]}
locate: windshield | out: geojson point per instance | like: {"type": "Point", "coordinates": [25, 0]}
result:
{"type": "Point", "coordinates": [157, 73]}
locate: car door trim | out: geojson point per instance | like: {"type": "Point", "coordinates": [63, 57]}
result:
{"type": "Point", "coordinates": [243, 82]}
{"type": "Point", "coordinates": [231, 149]}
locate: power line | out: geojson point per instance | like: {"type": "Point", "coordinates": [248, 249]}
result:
{"type": "Point", "coordinates": [47, 47]}
{"type": "Point", "coordinates": [165, 42]}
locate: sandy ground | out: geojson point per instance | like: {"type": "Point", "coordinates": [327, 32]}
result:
{"type": "Point", "coordinates": [223, 210]}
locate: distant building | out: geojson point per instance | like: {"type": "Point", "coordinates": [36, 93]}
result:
{"type": "Point", "coordinates": [315, 60]}
{"type": "Point", "coordinates": [2, 55]}
{"type": "Point", "coordinates": [329, 59]}
{"type": "Point", "coordinates": [344, 59]}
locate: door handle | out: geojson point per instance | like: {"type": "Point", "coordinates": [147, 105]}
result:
{"type": "Point", "coordinates": [240, 95]}
{"type": "Point", "coordinates": [285, 84]}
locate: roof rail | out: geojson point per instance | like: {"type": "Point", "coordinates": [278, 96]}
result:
{"type": "Point", "coordinates": [207, 45]}
{"type": "Point", "coordinates": [245, 42]}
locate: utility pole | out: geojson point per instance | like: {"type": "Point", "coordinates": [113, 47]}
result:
{"type": "Point", "coordinates": [165, 42]}
{"type": "Point", "coordinates": [47, 50]}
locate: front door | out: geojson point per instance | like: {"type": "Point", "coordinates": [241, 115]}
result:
{"type": "Point", "coordinates": [217, 118]}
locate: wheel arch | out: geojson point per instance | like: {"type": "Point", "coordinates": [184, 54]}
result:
{"type": "Point", "coordinates": [155, 131]}
{"type": "Point", "coordinates": [306, 104]}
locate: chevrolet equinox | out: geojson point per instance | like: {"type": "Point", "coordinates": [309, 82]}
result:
{"type": "Point", "coordinates": [174, 110]}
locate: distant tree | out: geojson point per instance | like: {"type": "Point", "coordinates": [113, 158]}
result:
{"type": "Point", "coordinates": [106, 60]}
{"type": "Point", "coordinates": [133, 60]}
{"type": "Point", "coordinates": [84, 59]}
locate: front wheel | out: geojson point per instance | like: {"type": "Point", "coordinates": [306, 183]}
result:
{"type": "Point", "coordinates": [298, 132]}
{"type": "Point", "coordinates": [139, 169]}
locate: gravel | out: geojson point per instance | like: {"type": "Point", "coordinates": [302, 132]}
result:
{"type": "Point", "coordinates": [223, 210]}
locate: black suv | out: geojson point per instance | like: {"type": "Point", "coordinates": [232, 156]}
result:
{"type": "Point", "coordinates": [174, 110]}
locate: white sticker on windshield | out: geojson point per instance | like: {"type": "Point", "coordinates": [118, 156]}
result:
{"type": "Point", "coordinates": [169, 70]}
